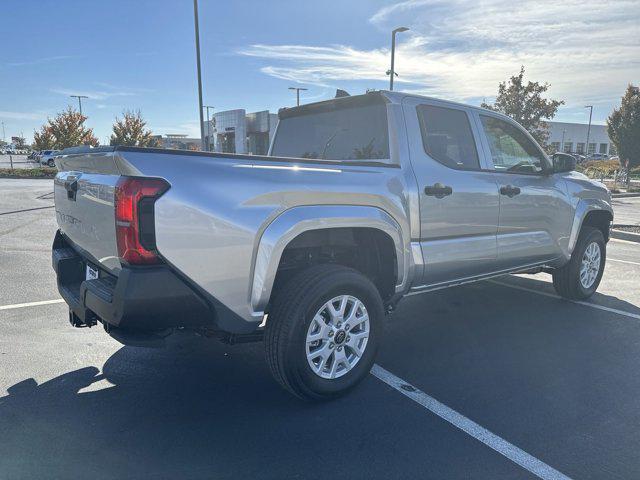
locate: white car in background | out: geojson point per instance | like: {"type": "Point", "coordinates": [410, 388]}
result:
{"type": "Point", "coordinates": [47, 157]}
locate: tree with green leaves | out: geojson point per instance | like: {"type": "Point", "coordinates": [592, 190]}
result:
{"type": "Point", "coordinates": [623, 128]}
{"type": "Point", "coordinates": [130, 130]}
{"type": "Point", "coordinates": [525, 104]}
{"type": "Point", "coordinates": [65, 130]}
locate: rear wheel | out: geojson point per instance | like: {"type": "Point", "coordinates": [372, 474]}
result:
{"type": "Point", "coordinates": [323, 330]}
{"type": "Point", "coordinates": [579, 279]}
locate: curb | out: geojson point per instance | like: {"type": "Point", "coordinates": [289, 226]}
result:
{"type": "Point", "coordinates": [628, 236]}
{"type": "Point", "coordinates": [625, 195]}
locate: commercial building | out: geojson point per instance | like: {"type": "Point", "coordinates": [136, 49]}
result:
{"type": "Point", "coordinates": [235, 131]}
{"type": "Point", "coordinates": [178, 141]}
{"type": "Point", "coordinates": [572, 138]}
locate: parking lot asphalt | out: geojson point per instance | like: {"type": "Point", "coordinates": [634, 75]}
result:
{"type": "Point", "coordinates": [627, 210]}
{"type": "Point", "coordinates": [499, 379]}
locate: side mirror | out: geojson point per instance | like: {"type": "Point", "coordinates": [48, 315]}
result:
{"type": "Point", "coordinates": [563, 162]}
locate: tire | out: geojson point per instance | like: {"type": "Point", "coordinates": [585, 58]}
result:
{"type": "Point", "coordinates": [304, 300]}
{"type": "Point", "coordinates": [567, 279]}
{"type": "Point", "coordinates": [51, 163]}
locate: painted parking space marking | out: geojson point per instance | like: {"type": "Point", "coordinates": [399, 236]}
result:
{"type": "Point", "coordinates": [622, 261]}
{"type": "Point", "coordinates": [578, 302]}
{"type": "Point", "coordinates": [31, 304]}
{"type": "Point", "coordinates": [623, 241]}
{"type": "Point", "coordinates": [490, 439]}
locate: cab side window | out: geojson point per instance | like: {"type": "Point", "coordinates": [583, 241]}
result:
{"type": "Point", "coordinates": [511, 150]}
{"type": "Point", "coordinates": [447, 137]}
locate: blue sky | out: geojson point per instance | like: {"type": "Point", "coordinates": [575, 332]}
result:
{"type": "Point", "coordinates": [140, 54]}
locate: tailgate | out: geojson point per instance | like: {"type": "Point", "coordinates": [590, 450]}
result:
{"type": "Point", "coordinates": [85, 214]}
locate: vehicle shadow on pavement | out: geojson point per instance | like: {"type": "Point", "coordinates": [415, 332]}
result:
{"type": "Point", "coordinates": [598, 298]}
{"type": "Point", "coordinates": [200, 409]}
{"type": "Point", "coordinates": [190, 408]}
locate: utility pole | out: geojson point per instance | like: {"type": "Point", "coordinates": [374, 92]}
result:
{"type": "Point", "coordinates": [3, 136]}
{"type": "Point", "coordinates": [562, 144]}
{"type": "Point", "coordinates": [197, 28]}
{"type": "Point", "coordinates": [590, 107]}
{"type": "Point", "coordinates": [208, 128]}
{"type": "Point", "coordinates": [297, 89]}
{"type": "Point", "coordinates": [79, 97]}
{"type": "Point", "coordinates": [391, 71]}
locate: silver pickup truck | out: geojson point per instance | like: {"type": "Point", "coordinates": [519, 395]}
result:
{"type": "Point", "coordinates": [361, 201]}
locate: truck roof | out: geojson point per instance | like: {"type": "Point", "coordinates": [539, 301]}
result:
{"type": "Point", "coordinates": [367, 98]}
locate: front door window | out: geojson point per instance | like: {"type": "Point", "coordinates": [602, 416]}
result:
{"type": "Point", "coordinates": [511, 150]}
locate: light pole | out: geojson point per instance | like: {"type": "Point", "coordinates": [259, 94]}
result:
{"type": "Point", "coordinates": [208, 128]}
{"type": "Point", "coordinates": [3, 137]}
{"type": "Point", "coordinates": [590, 107]}
{"type": "Point", "coordinates": [79, 97]}
{"type": "Point", "coordinates": [391, 71]}
{"type": "Point", "coordinates": [562, 143]}
{"type": "Point", "coordinates": [297, 89]}
{"type": "Point", "coordinates": [197, 28]}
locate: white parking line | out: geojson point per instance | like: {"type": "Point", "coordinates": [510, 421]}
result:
{"type": "Point", "coordinates": [623, 241]}
{"type": "Point", "coordinates": [579, 302]}
{"type": "Point", "coordinates": [609, 259]}
{"type": "Point", "coordinates": [30, 304]}
{"type": "Point", "coordinates": [500, 445]}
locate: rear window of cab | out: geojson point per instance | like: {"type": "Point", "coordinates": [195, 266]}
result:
{"type": "Point", "coordinates": [353, 128]}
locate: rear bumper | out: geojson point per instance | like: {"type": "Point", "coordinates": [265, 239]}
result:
{"type": "Point", "coordinates": [140, 299]}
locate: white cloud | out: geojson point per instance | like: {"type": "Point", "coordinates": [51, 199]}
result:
{"type": "Point", "coordinates": [94, 94]}
{"type": "Point", "coordinates": [459, 49]}
{"type": "Point", "coordinates": [40, 61]}
{"type": "Point", "coordinates": [23, 115]}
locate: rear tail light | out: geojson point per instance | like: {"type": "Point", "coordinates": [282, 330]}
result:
{"type": "Point", "coordinates": [135, 223]}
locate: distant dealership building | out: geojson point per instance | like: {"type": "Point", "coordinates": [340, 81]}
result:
{"type": "Point", "coordinates": [235, 131]}
{"type": "Point", "coordinates": [177, 141]}
{"type": "Point", "coordinates": [572, 138]}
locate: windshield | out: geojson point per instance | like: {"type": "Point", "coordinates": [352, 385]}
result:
{"type": "Point", "coordinates": [352, 132]}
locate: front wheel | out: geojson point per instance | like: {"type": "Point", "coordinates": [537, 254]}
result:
{"type": "Point", "coordinates": [323, 331]}
{"type": "Point", "coordinates": [579, 278]}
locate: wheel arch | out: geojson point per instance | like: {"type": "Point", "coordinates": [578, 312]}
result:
{"type": "Point", "coordinates": [293, 223]}
{"type": "Point", "coordinates": [595, 213]}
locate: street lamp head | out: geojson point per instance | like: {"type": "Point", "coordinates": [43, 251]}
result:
{"type": "Point", "coordinates": [588, 106]}
{"type": "Point", "coordinates": [400, 29]}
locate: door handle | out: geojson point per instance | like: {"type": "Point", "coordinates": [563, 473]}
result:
{"type": "Point", "coordinates": [509, 190]}
{"type": "Point", "coordinates": [438, 190]}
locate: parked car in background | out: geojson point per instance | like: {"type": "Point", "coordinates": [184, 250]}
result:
{"type": "Point", "coordinates": [579, 157]}
{"type": "Point", "coordinates": [362, 201]}
{"type": "Point", "coordinates": [47, 157]}
{"type": "Point", "coordinates": [597, 156]}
